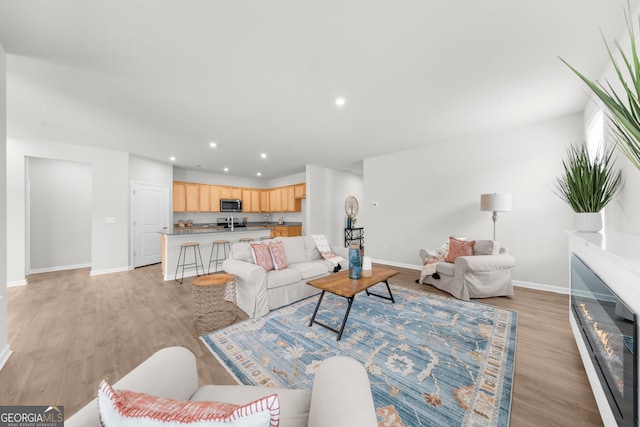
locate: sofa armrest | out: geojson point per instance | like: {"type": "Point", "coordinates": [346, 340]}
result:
{"type": "Point", "coordinates": [251, 286]}
{"type": "Point", "coordinates": [341, 395]}
{"type": "Point", "coordinates": [170, 372]}
{"type": "Point", "coordinates": [485, 262]}
{"type": "Point", "coordinates": [342, 252]}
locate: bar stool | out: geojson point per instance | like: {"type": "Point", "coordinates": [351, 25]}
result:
{"type": "Point", "coordinates": [265, 237]}
{"type": "Point", "coordinates": [183, 255]}
{"type": "Point", "coordinates": [215, 248]}
{"type": "Point", "coordinates": [245, 240]}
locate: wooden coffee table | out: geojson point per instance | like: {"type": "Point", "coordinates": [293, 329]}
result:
{"type": "Point", "coordinates": [340, 284]}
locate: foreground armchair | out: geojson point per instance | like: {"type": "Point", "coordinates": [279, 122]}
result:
{"type": "Point", "coordinates": [486, 273]}
{"type": "Point", "coordinates": [341, 395]}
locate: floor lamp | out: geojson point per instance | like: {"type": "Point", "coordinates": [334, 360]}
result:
{"type": "Point", "coordinates": [495, 203]}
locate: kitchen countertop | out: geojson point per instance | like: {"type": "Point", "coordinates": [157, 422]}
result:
{"type": "Point", "coordinates": [214, 228]}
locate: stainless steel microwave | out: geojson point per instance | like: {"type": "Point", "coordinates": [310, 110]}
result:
{"type": "Point", "coordinates": [230, 205]}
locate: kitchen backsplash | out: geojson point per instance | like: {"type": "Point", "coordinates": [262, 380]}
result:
{"type": "Point", "coordinates": [211, 218]}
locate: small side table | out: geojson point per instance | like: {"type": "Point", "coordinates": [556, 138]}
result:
{"type": "Point", "coordinates": [213, 298]}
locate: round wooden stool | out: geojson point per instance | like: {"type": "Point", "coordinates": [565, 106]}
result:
{"type": "Point", "coordinates": [265, 237]}
{"type": "Point", "coordinates": [245, 240]}
{"type": "Point", "coordinates": [213, 298]}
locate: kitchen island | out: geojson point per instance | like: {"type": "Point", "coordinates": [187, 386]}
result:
{"type": "Point", "coordinates": [205, 234]}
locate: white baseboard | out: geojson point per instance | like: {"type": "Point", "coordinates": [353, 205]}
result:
{"type": "Point", "coordinates": [541, 287]}
{"type": "Point", "coordinates": [110, 270]}
{"type": "Point", "coordinates": [59, 268]}
{"type": "Point", "coordinates": [17, 283]}
{"type": "Point", "coordinates": [397, 264]}
{"type": "Point", "coordinates": [520, 283]}
{"type": "Point", "coordinates": [4, 355]}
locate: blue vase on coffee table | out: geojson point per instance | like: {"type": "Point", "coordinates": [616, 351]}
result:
{"type": "Point", "coordinates": [355, 262]}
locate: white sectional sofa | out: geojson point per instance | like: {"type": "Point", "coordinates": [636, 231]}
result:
{"type": "Point", "coordinates": [259, 291]}
{"type": "Point", "coordinates": [341, 395]}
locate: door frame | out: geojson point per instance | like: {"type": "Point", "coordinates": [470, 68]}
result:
{"type": "Point", "coordinates": [165, 217]}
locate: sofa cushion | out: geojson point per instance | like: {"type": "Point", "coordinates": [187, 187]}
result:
{"type": "Point", "coordinates": [277, 255]}
{"type": "Point", "coordinates": [310, 249]}
{"type": "Point", "coordinates": [128, 408]}
{"type": "Point", "coordinates": [294, 403]}
{"type": "Point", "coordinates": [311, 269]}
{"type": "Point", "coordinates": [293, 249]}
{"type": "Point", "coordinates": [277, 278]}
{"type": "Point", "coordinates": [458, 248]}
{"type": "Point", "coordinates": [262, 256]}
{"type": "Point", "coordinates": [242, 251]}
{"type": "Point", "coordinates": [486, 247]}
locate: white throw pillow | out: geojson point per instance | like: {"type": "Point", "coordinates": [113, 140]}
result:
{"type": "Point", "coordinates": [124, 408]}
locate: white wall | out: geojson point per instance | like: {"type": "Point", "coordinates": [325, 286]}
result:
{"type": "Point", "coordinates": [327, 190]}
{"type": "Point", "coordinates": [110, 189]}
{"type": "Point", "coordinates": [59, 206]}
{"type": "Point", "coordinates": [5, 350]}
{"type": "Point", "coordinates": [427, 194]}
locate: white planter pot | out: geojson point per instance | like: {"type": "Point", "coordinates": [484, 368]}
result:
{"type": "Point", "coordinates": [590, 222]}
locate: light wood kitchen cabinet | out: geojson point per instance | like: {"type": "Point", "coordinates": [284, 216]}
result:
{"type": "Point", "coordinates": [264, 201]}
{"type": "Point", "coordinates": [205, 198]}
{"type": "Point", "coordinates": [288, 200]}
{"type": "Point", "coordinates": [194, 197]}
{"type": "Point", "coordinates": [255, 200]}
{"type": "Point", "coordinates": [250, 200]}
{"type": "Point", "coordinates": [192, 192]}
{"type": "Point", "coordinates": [247, 206]}
{"type": "Point", "coordinates": [215, 195]}
{"type": "Point", "coordinates": [300, 191]}
{"type": "Point", "coordinates": [179, 197]}
{"type": "Point", "coordinates": [275, 200]}
{"type": "Point", "coordinates": [231, 193]}
{"type": "Point", "coordinates": [286, 231]}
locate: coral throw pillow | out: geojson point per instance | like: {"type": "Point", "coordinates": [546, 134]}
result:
{"type": "Point", "coordinates": [458, 248]}
{"type": "Point", "coordinates": [124, 408]}
{"type": "Point", "coordinates": [262, 256]}
{"type": "Point", "coordinates": [277, 255]}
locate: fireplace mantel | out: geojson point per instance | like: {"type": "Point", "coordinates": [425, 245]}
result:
{"type": "Point", "coordinates": [615, 258]}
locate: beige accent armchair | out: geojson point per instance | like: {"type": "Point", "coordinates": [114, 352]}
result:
{"type": "Point", "coordinates": [487, 273]}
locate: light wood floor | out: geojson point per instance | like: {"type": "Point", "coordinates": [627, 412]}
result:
{"type": "Point", "coordinates": [68, 330]}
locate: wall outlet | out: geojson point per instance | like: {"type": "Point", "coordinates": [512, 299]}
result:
{"type": "Point", "coordinates": [110, 219]}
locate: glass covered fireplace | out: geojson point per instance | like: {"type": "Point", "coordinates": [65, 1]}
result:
{"type": "Point", "coordinates": [608, 329]}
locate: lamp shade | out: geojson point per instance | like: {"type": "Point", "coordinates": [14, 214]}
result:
{"type": "Point", "coordinates": [495, 202]}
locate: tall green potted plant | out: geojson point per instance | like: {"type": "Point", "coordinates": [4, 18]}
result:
{"type": "Point", "coordinates": [588, 185]}
{"type": "Point", "coordinates": [624, 108]}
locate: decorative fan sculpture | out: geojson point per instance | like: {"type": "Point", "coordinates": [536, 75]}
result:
{"type": "Point", "coordinates": [351, 207]}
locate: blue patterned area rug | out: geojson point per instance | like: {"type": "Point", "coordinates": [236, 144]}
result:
{"type": "Point", "coordinates": [432, 361]}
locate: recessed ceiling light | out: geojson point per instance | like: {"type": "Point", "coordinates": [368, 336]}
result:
{"type": "Point", "coordinates": [213, 144]}
{"type": "Point", "coordinates": [263, 155]}
{"type": "Point", "coordinates": [226, 169]}
{"type": "Point", "coordinates": [340, 101]}
{"type": "Point", "coordinates": [173, 159]}
{"type": "Point", "coordinates": [259, 174]}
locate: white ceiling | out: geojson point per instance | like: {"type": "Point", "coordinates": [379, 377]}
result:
{"type": "Point", "coordinates": [163, 77]}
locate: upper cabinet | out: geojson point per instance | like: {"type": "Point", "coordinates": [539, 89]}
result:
{"type": "Point", "coordinates": [193, 197]}
{"type": "Point", "coordinates": [300, 191]}
{"type": "Point", "coordinates": [179, 197]}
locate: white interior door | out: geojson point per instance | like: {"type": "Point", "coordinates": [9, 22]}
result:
{"type": "Point", "coordinates": [150, 216]}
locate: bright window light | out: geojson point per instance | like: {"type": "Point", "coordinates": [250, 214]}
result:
{"type": "Point", "coordinates": [595, 135]}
